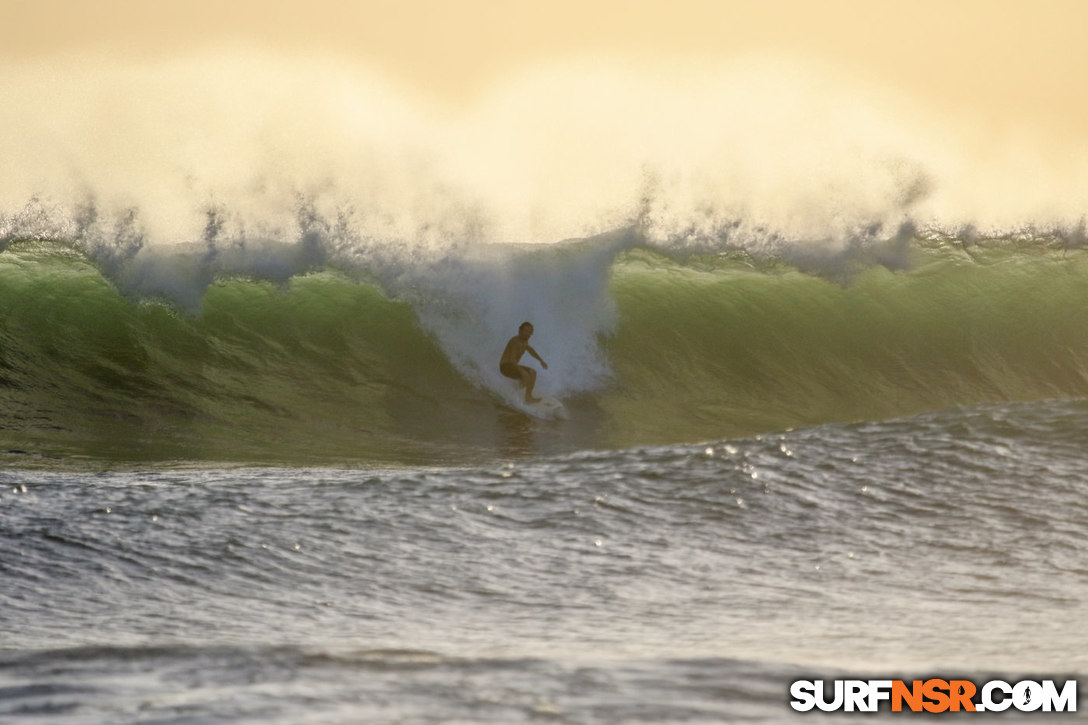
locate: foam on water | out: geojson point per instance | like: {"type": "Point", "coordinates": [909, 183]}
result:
{"type": "Point", "coordinates": [476, 300]}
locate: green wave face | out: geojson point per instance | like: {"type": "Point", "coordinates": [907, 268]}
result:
{"type": "Point", "coordinates": [324, 369]}
{"type": "Point", "coordinates": [318, 369]}
{"type": "Point", "coordinates": [723, 350]}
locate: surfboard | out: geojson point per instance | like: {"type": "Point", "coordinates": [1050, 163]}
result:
{"type": "Point", "coordinates": [547, 408]}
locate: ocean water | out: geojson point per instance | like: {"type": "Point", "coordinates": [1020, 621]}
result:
{"type": "Point", "coordinates": [259, 465]}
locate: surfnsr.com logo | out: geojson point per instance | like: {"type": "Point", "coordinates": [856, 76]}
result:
{"type": "Point", "coordinates": [933, 696]}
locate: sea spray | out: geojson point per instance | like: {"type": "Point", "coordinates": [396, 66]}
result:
{"type": "Point", "coordinates": [473, 303]}
{"type": "Point", "coordinates": [759, 152]}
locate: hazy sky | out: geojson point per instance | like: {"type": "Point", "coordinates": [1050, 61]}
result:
{"type": "Point", "coordinates": [1007, 65]}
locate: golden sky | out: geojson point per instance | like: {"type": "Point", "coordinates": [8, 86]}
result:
{"type": "Point", "coordinates": [1024, 60]}
{"type": "Point", "coordinates": [1020, 64]}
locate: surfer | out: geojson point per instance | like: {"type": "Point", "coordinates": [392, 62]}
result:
{"type": "Point", "coordinates": [508, 365]}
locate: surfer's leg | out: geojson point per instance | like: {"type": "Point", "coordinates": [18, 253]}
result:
{"type": "Point", "coordinates": [528, 379]}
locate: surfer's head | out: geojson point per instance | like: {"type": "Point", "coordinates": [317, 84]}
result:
{"type": "Point", "coordinates": [525, 330]}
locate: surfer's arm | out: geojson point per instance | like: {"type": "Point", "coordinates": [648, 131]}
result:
{"type": "Point", "coordinates": [532, 352]}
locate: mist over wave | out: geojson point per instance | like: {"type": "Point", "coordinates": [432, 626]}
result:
{"type": "Point", "coordinates": [761, 153]}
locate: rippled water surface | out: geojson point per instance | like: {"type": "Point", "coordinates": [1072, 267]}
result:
{"type": "Point", "coordinates": [646, 584]}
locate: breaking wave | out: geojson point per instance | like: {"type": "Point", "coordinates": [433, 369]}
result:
{"type": "Point", "coordinates": [239, 258]}
{"type": "Point", "coordinates": [335, 365]}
